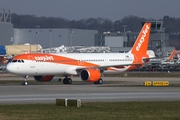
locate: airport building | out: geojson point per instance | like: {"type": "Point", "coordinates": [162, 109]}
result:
{"type": "Point", "coordinates": [115, 41]}
{"type": "Point", "coordinates": [48, 38]}
{"type": "Point", "coordinates": [6, 27]}
{"type": "Point", "coordinates": [122, 42]}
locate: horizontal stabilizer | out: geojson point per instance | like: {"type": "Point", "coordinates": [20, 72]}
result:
{"type": "Point", "coordinates": [151, 54]}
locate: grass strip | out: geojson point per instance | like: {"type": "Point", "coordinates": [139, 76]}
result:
{"type": "Point", "coordinates": [94, 111]}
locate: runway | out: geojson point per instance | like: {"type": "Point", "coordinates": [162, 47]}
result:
{"type": "Point", "coordinates": [87, 92]}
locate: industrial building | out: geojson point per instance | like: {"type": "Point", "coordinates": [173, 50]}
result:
{"type": "Point", "coordinates": [122, 42]}
{"type": "Point", "coordinates": [6, 27]}
{"type": "Point", "coordinates": [48, 38]}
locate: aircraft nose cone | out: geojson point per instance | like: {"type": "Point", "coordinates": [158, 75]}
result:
{"type": "Point", "coordinates": [10, 68]}
{"type": "Point", "coordinates": [7, 68]}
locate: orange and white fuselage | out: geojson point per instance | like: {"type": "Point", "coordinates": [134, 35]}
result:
{"type": "Point", "coordinates": [89, 66]}
{"type": "Point", "coordinates": [69, 63]}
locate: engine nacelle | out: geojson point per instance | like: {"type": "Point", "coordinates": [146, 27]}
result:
{"type": "Point", "coordinates": [90, 75]}
{"type": "Point", "coordinates": [44, 78]}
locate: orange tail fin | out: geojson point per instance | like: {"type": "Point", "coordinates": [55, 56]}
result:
{"type": "Point", "coordinates": [172, 54]}
{"type": "Point", "coordinates": [141, 44]}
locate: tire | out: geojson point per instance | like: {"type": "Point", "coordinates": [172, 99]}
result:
{"type": "Point", "coordinates": [69, 81]}
{"type": "Point", "coordinates": [25, 83]}
{"type": "Point", "coordinates": [65, 81]}
{"type": "Point", "coordinates": [100, 81]}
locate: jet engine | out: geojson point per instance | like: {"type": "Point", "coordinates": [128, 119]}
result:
{"type": "Point", "coordinates": [90, 75]}
{"type": "Point", "coordinates": [44, 78]}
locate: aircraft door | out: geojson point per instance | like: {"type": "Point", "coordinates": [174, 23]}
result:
{"type": "Point", "coordinates": [80, 62]}
{"type": "Point", "coordinates": [32, 62]}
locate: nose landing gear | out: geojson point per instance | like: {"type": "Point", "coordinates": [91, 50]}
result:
{"type": "Point", "coordinates": [25, 80]}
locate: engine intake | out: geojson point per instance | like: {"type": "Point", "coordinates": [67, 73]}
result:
{"type": "Point", "coordinates": [90, 75]}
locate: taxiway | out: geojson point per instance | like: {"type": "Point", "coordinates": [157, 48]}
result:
{"type": "Point", "coordinates": [88, 92]}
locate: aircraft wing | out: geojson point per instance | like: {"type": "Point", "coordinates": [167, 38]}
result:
{"type": "Point", "coordinates": [73, 70]}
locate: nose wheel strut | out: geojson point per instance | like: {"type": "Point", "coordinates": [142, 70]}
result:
{"type": "Point", "coordinates": [25, 80]}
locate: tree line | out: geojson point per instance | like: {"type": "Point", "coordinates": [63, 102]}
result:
{"type": "Point", "coordinates": [101, 24]}
{"type": "Point", "coordinates": [133, 23]}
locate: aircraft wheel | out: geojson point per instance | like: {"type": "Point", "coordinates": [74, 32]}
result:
{"type": "Point", "coordinates": [65, 81]}
{"type": "Point", "coordinates": [100, 81]}
{"type": "Point", "coordinates": [69, 81]}
{"type": "Point", "coordinates": [24, 83]}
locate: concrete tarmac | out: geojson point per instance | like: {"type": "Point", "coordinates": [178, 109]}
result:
{"type": "Point", "coordinates": [88, 92]}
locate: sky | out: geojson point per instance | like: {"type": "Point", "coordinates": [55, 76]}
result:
{"type": "Point", "coordinates": [80, 9]}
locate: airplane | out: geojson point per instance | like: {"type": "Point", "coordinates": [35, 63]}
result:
{"type": "Point", "coordinates": [159, 61]}
{"type": "Point", "coordinates": [169, 60]}
{"type": "Point", "coordinates": [89, 66]}
{"type": "Point", "coordinates": [172, 54]}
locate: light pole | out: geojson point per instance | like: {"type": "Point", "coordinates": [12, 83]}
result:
{"type": "Point", "coordinates": [37, 32]}
{"type": "Point", "coordinates": [106, 35]}
{"type": "Point", "coordinates": [50, 35]}
{"type": "Point", "coordinates": [30, 40]}
{"type": "Point", "coordinates": [125, 39]}
{"type": "Point", "coordinates": [37, 41]}
{"type": "Point", "coordinates": [124, 26]}
{"type": "Point", "coordinates": [71, 37]}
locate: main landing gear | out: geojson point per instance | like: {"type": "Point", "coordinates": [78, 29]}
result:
{"type": "Point", "coordinates": [67, 80]}
{"type": "Point", "coordinates": [25, 80]}
{"type": "Point", "coordinates": [100, 81]}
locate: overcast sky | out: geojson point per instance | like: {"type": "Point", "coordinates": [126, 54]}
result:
{"type": "Point", "coordinates": [79, 9]}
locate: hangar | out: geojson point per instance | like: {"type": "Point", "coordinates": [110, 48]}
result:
{"type": "Point", "coordinates": [55, 37]}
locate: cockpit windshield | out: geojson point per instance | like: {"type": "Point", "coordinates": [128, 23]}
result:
{"type": "Point", "coordinates": [14, 61]}
{"type": "Point", "coordinates": [19, 61]}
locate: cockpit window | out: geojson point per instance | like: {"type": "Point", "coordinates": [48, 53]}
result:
{"type": "Point", "coordinates": [14, 61]}
{"type": "Point", "coordinates": [19, 61]}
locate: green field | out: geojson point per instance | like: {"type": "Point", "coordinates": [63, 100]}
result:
{"type": "Point", "coordinates": [93, 111]}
